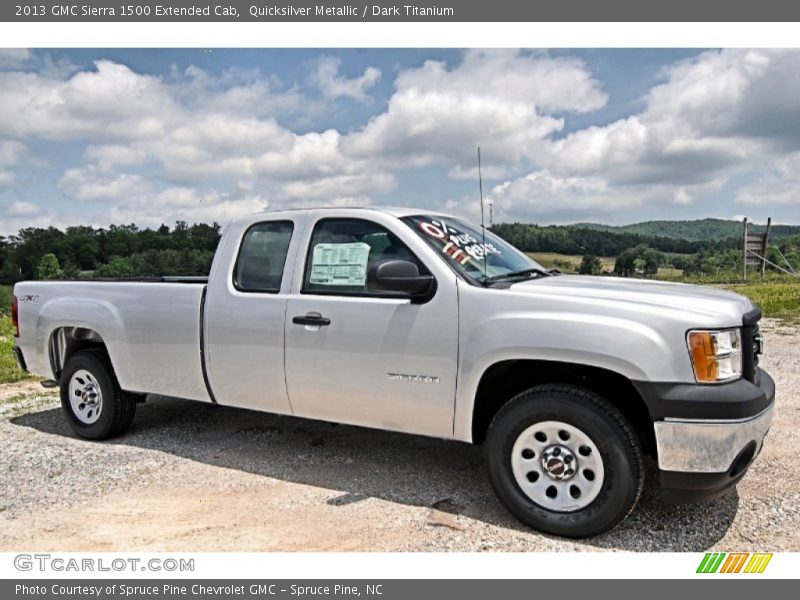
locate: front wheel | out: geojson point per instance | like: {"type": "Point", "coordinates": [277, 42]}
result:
{"type": "Point", "coordinates": [95, 406]}
{"type": "Point", "coordinates": [565, 461]}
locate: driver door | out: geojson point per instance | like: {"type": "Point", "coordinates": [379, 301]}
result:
{"type": "Point", "coordinates": [356, 355]}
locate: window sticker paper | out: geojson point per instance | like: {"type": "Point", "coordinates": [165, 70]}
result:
{"type": "Point", "coordinates": [340, 264]}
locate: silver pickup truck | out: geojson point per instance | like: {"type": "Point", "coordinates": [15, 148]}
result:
{"type": "Point", "coordinates": [414, 321]}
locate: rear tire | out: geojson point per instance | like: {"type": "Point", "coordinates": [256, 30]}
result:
{"type": "Point", "coordinates": [565, 461]}
{"type": "Point", "coordinates": [95, 406]}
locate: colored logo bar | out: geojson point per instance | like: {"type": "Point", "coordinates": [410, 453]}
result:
{"type": "Point", "coordinates": [734, 562]}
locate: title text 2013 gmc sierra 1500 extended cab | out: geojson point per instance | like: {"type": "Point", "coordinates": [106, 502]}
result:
{"type": "Point", "coordinates": [414, 321]}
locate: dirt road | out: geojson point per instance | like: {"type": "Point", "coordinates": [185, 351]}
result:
{"type": "Point", "coordinates": [192, 477]}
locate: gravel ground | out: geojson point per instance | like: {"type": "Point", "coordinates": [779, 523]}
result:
{"type": "Point", "coordinates": [195, 477]}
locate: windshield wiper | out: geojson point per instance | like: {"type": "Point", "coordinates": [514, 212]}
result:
{"type": "Point", "coordinates": [516, 274]}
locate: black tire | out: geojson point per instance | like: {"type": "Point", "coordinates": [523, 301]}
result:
{"type": "Point", "coordinates": [117, 408]}
{"type": "Point", "coordinates": [606, 427]}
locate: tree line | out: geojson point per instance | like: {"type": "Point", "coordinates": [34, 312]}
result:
{"type": "Point", "coordinates": [569, 239]}
{"type": "Point", "coordinates": [118, 251]}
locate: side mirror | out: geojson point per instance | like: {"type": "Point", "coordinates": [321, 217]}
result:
{"type": "Point", "coordinates": [399, 276]}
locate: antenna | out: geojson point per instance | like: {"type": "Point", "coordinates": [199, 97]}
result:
{"type": "Point", "coordinates": [483, 227]}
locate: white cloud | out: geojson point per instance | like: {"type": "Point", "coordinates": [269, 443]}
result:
{"type": "Point", "coordinates": [109, 103]}
{"type": "Point", "coordinates": [770, 193]}
{"type": "Point", "coordinates": [21, 214]}
{"type": "Point", "coordinates": [543, 194]}
{"type": "Point", "coordinates": [551, 84]}
{"type": "Point", "coordinates": [21, 208]}
{"type": "Point", "coordinates": [338, 188]}
{"type": "Point", "coordinates": [194, 144]}
{"type": "Point", "coordinates": [112, 103]}
{"type": "Point", "coordinates": [327, 77]}
{"type": "Point", "coordinates": [126, 198]}
{"type": "Point", "coordinates": [189, 129]}
{"type": "Point", "coordinates": [14, 58]}
{"type": "Point", "coordinates": [717, 115]}
{"type": "Point", "coordinates": [88, 184]}
{"type": "Point", "coordinates": [218, 146]}
{"type": "Point", "coordinates": [236, 91]}
{"type": "Point", "coordinates": [310, 155]}
{"type": "Point", "coordinates": [499, 100]}
{"type": "Point", "coordinates": [472, 172]}
{"type": "Point", "coordinates": [183, 197]}
{"type": "Point", "coordinates": [715, 112]}
{"type": "Point", "coordinates": [549, 197]}
{"type": "Point", "coordinates": [683, 197]}
{"type": "Point", "coordinates": [308, 167]}
{"type": "Point", "coordinates": [110, 156]}
{"type": "Point", "coordinates": [777, 186]}
{"type": "Point", "coordinates": [180, 203]}
{"type": "Point", "coordinates": [12, 153]}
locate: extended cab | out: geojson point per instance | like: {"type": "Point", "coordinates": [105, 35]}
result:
{"type": "Point", "coordinates": [415, 321]}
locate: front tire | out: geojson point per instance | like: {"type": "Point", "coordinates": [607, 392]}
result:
{"type": "Point", "coordinates": [95, 406]}
{"type": "Point", "coordinates": [565, 461]}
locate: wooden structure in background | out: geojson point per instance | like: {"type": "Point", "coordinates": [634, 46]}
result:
{"type": "Point", "coordinates": [754, 249]}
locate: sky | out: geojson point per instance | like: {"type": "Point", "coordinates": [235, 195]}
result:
{"type": "Point", "coordinates": [147, 136]}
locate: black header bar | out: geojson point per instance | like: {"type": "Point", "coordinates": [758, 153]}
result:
{"type": "Point", "coordinates": [398, 11]}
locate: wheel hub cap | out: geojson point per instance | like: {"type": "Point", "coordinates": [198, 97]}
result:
{"type": "Point", "coordinates": [557, 466]}
{"type": "Point", "coordinates": [85, 397]}
{"type": "Point", "coordinates": [559, 462]}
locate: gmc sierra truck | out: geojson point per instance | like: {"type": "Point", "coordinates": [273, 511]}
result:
{"type": "Point", "coordinates": [414, 321]}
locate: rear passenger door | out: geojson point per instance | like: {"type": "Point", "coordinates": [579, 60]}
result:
{"type": "Point", "coordinates": [245, 310]}
{"type": "Point", "coordinates": [357, 355]}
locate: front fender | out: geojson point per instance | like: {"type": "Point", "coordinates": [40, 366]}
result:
{"type": "Point", "coordinates": [631, 349]}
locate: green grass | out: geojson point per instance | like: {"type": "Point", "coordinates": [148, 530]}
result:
{"type": "Point", "coordinates": [5, 299]}
{"type": "Point", "coordinates": [9, 371]}
{"type": "Point", "coordinates": [776, 298]}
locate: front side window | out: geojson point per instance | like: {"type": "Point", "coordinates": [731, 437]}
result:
{"type": "Point", "coordinates": [262, 256]}
{"type": "Point", "coordinates": [480, 257]}
{"type": "Point", "coordinates": [342, 251]}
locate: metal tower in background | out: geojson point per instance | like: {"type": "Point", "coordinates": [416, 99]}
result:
{"type": "Point", "coordinates": [754, 249]}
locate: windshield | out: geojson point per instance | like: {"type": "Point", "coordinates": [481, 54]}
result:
{"type": "Point", "coordinates": [462, 246]}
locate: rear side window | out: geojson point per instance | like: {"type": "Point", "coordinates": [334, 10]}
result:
{"type": "Point", "coordinates": [262, 256]}
{"type": "Point", "coordinates": [343, 250]}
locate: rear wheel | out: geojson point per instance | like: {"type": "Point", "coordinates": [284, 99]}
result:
{"type": "Point", "coordinates": [565, 461]}
{"type": "Point", "coordinates": [95, 406]}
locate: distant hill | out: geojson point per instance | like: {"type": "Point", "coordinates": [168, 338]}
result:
{"type": "Point", "coordinates": [694, 231]}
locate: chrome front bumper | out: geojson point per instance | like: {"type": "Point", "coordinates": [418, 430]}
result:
{"type": "Point", "coordinates": [708, 446]}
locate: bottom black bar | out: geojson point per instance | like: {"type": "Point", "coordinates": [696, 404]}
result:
{"type": "Point", "coordinates": [394, 589]}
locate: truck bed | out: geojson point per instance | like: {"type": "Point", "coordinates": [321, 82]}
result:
{"type": "Point", "coordinates": [151, 327]}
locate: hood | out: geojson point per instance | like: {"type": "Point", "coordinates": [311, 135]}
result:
{"type": "Point", "coordinates": [707, 306]}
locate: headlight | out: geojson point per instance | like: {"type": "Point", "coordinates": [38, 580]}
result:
{"type": "Point", "coordinates": [716, 355]}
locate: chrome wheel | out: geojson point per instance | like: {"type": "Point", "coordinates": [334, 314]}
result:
{"type": "Point", "coordinates": [557, 466]}
{"type": "Point", "coordinates": [85, 397]}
